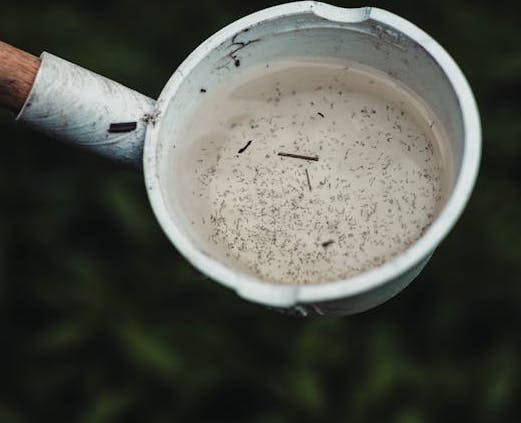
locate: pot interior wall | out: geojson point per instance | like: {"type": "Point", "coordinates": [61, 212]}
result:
{"type": "Point", "coordinates": [366, 42]}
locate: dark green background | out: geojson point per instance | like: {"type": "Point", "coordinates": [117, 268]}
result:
{"type": "Point", "coordinates": [101, 320]}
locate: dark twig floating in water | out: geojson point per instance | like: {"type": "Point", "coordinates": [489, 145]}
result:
{"type": "Point", "coordinates": [320, 114]}
{"type": "Point", "coordinates": [298, 156]}
{"type": "Point", "coordinates": [245, 147]}
{"type": "Point", "coordinates": [327, 243]}
{"type": "Point", "coordinates": [122, 127]}
{"type": "Point", "coordinates": [307, 177]}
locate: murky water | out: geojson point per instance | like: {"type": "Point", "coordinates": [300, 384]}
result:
{"type": "Point", "coordinates": [361, 176]}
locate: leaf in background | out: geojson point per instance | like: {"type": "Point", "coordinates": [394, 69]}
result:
{"type": "Point", "coordinates": [148, 351]}
{"type": "Point", "coordinates": [9, 415]}
{"type": "Point", "coordinates": [61, 337]}
{"type": "Point", "coordinates": [106, 407]}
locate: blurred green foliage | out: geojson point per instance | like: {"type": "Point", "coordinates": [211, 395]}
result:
{"type": "Point", "coordinates": [103, 321]}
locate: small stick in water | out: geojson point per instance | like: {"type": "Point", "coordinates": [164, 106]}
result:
{"type": "Point", "coordinates": [327, 243]}
{"type": "Point", "coordinates": [320, 114]}
{"type": "Point", "coordinates": [243, 149]}
{"type": "Point", "coordinates": [298, 156]}
{"type": "Point", "coordinates": [307, 177]}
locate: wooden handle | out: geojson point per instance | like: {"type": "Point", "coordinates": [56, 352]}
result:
{"type": "Point", "coordinates": [17, 72]}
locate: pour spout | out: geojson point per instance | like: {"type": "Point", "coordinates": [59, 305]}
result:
{"type": "Point", "coordinates": [77, 106]}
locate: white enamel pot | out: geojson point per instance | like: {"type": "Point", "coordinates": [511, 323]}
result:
{"type": "Point", "coordinates": [71, 103]}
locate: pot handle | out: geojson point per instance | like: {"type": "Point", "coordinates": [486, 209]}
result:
{"type": "Point", "coordinates": [17, 72]}
{"type": "Point", "coordinates": [68, 102]}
